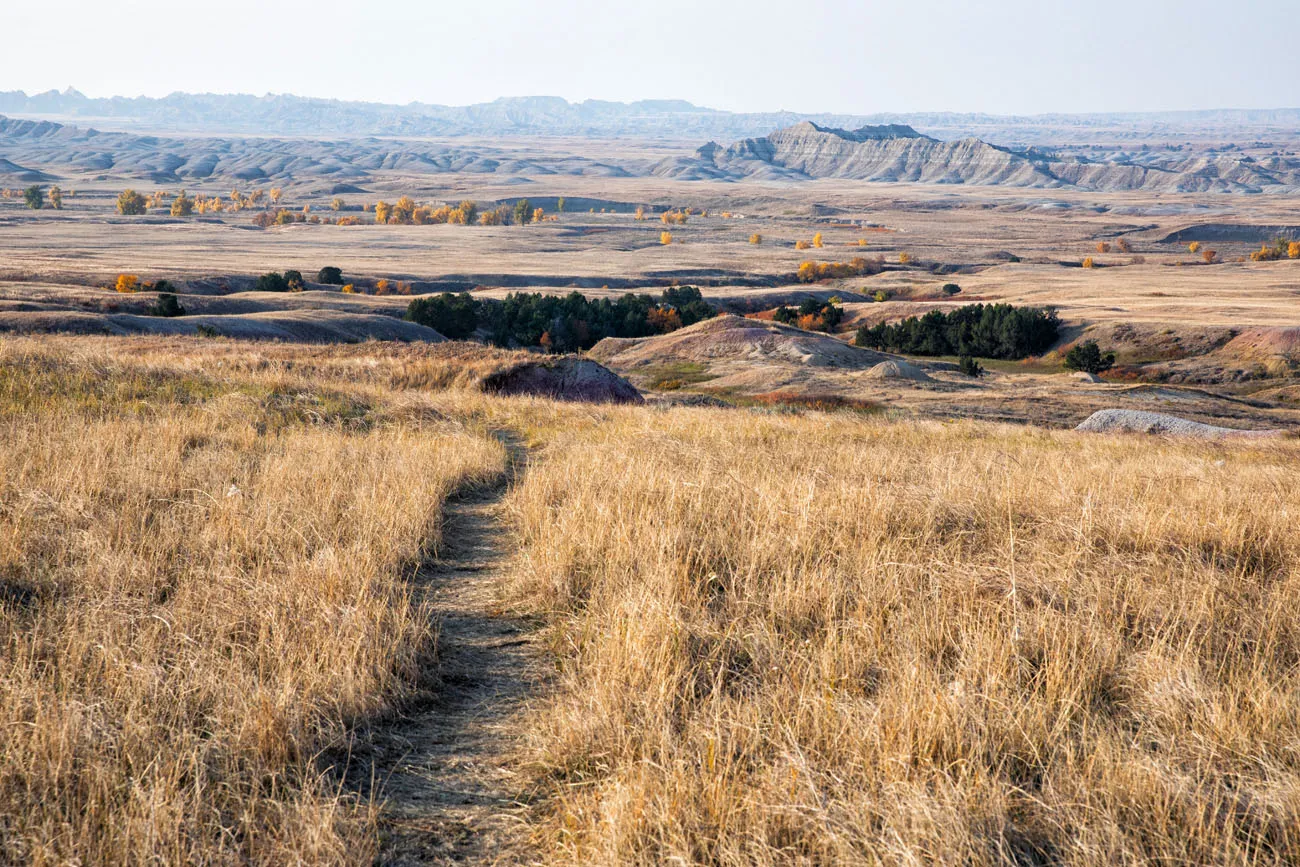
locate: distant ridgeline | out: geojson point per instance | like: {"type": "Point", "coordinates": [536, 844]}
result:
{"type": "Point", "coordinates": [349, 153]}
{"type": "Point", "coordinates": [900, 153]}
{"type": "Point", "coordinates": [285, 114]}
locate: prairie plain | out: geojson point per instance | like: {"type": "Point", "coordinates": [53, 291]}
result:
{"type": "Point", "coordinates": [288, 577]}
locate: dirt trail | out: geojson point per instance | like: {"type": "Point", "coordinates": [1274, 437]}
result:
{"type": "Point", "coordinates": [444, 771]}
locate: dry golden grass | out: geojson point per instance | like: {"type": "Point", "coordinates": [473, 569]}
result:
{"type": "Point", "coordinates": [202, 585]}
{"type": "Point", "coordinates": [824, 640]}
{"type": "Point", "coordinates": [779, 638]}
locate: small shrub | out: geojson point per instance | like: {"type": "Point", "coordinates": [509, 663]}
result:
{"type": "Point", "coordinates": [1194, 247]}
{"type": "Point", "coordinates": [272, 282]}
{"type": "Point", "coordinates": [1103, 247]}
{"type": "Point", "coordinates": [801, 245]}
{"type": "Point", "coordinates": [182, 205]}
{"type": "Point", "coordinates": [166, 305]}
{"type": "Point", "coordinates": [881, 296]}
{"type": "Point", "coordinates": [1089, 358]}
{"type": "Point", "coordinates": [755, 238]}
{"type": "Point", "coordinates": [1210, 256]}
{"type": "Point", "coordinates": [970, 366]}
{"type": "Point", "coordinates": [817, 241]}
{"type": "Point", "coordinates": [665, 238]}
{"type": "Point", "coordinates": [904, 258]}
{"type": "Point", "coordinates": [349, 289]}
{"type": "Point", "coordinates": [1088, 263]}
{"type": "Point", "coordinates": [1280, 249]}
{"type": "Point", "coordinates": [294, 279]}
{"type": "Point", "coordinates": [206, 331]}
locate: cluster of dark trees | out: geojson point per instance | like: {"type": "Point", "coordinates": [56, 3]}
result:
{"type": "Point", "coordinates": [812, 314]}
{"type": "Point", "coordinates": [978, 330]}
{"type": "Point", "coordinates": [559, 323]}
{"type": "Point", "coordinates": [289, 281]}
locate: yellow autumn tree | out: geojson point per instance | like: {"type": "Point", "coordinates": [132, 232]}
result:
{"type": "Point", "coordinates": [904, 258]}
{"type": "Point", "coordinates": [382, 210]}
{"type": "Point", "coordinates": [182, 205]}
{"type": "Point", "coordinates": [801, 244]}
{"type": "Point", "coordinates": [755, 238]}
{"type": "Point", "coordinates": [128, 283]}
{"type": "Point", "coordinates": [817, 240]}
{"type": "Point", "coordinates": [1194, 246]}
{"type": "Point", "coordinates": [1292, 248]}
{"type": "Point", "coordinates": [276, 192]}
{"type": "Point", "coordinates": [402, 212]}
{"type": "Point", "coordinates": [665, 238]}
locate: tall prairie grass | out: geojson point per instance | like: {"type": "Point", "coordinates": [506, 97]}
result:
{"type": "Point", "coordinates": [202, 586]}
{"type": "Point", "coordinates": [830, 640]}
{"type": "Point", "coordinates": [817, 638]}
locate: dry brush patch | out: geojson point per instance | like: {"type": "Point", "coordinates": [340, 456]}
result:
{"type": "Point", "coordinates": [202, 586]}
{"type": "Point", "coordinates": [826, 640]}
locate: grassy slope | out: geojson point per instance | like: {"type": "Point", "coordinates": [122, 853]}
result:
{"type": "Point", "coordinates": [778, 636]}
{"type": "Point", "coordinates": [820, 638]}
{"type": "Point", "coordinates": [201, 587]}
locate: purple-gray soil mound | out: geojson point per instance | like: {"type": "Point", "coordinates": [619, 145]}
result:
{"type": "Point", "coordinates": [578, 379]}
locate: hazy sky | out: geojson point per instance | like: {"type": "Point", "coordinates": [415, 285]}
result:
{"type": "Point", "coordinates": [1003, 56]}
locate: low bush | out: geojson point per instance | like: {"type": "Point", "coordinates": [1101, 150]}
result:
{"type": "Point", "coordinates": [970, 366]}
{"type": "Point", "coordinates": [272, 282]}
{"type": "Point", "coordinates": [166, 305]}
{"type": "Point", "coordinates": [1089, 358]}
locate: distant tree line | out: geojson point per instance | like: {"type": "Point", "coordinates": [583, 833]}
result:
{"type": "Point", "coordinates": [559, 323]}
{"type": "Point", "coordinates": [979, 330]}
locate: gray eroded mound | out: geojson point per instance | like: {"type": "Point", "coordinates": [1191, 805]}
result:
{"type": "Point", "coordinates": [898, 370]}
{"type": "Point", "coordinates": [577, 379]}
{"type": "Point", "coordinates": [1137, 421]}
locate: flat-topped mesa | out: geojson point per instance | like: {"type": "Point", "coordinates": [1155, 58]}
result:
{"type": "Point", "coordinates": [865, 133]}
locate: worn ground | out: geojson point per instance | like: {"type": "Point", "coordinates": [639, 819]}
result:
{"type": "Point", "coordinates": [446, 773]}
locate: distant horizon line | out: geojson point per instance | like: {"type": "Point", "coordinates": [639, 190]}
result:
{"type": "Point", "coordinates": [269, 95]}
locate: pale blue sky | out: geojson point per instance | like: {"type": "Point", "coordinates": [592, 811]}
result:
{"type": "Point", "coordinates": [1002, 56]}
